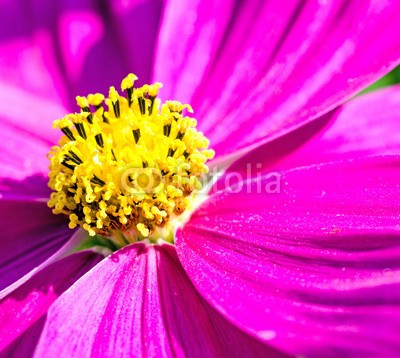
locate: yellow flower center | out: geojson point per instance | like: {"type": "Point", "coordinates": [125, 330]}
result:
{"type": "Point", "coordinates": [127, 165]}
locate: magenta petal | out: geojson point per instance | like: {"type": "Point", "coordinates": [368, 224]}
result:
{"type": "Point", "coordinates": [31, 88]}
{"type": "Point", "coordinates": [30, 233]}
{"type": "Point", "coordinates": [26, 306]}
{"type": "Point", "coordinates": [180, 65]}
{"type": "Point", "coordinates": [24, 153]}
{"type": "Point", "coordinates": [319, 259]}
{"type": "Point", "coordinates": [58, 50]}
{"type": "Point", "coordinates": [139, 301]}
{"type": "Point", "coordinates": [278, 64]}
{"type": "Point", "coordinates": [367, 125]}
{"type": "Point", "coordinates": [92, 52]}
{"type": "Point", "coordinates": [137, 46]}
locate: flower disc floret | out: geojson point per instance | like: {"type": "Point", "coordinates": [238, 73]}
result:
{"type": "Point", "coordinates": [126, 164]}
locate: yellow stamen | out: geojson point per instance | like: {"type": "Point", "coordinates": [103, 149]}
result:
{"type": "Point", "coordinates": [126, 166]}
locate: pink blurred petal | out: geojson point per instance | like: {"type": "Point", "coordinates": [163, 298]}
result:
{"type": "Point", "coordinates": [57, 50]}
{"type": "Point", "coordinates": [92, 54]}
{"type": "Point", "coordinates": [136, 24]}
{"type": "Point", "coordinates": [29, 68]}
{"type": "Point", "coordinates": [80, 31]}
{"type": "Point", "coordinates": [26, 104]}
{"type": "Point", "coordinates": [29, 303]}
{"type": "Point", "coordinates": [278, 65]}
{"type": "Point", "coordinates": [200, 26]}
{"type": "Point", "coordinates": [367, 125]}
{"type": "Point", "coordinates": [30, 233]}
{"type": "Point", "coordinates": [139, 301]}
{"type": "Point", "coordinates": [24, 152]}
{"type": "Point", "coordinates": [319, 259]}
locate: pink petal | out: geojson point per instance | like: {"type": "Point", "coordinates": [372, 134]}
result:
{"type": "Point", "coordinates": [32, 91]}
{"type": "Point", "coordinates": [200, 27]}
{"type": "Point", "coordinates": [319, 259]}
{"type": "Point", "coordinates": [367, 125]}
{"type": "Point", "coordinates": [58, 50]}
{"type": "Point", "coordinates": [139, 301]}
{"type": "Point", "coordinates": [24, 153]}
{"type": "Point", "coordinates": [24, 345]}
{"type": "Point", "coordinates": [136, 24]}
{"type": "Point", "coordinates": [275, 65]}
{"type": "Point", "coordinates": [27, 305]}
{"type": "Point", "coordinates": [92, 52]}
{"type": "Point", "coordinates": [30, 233]}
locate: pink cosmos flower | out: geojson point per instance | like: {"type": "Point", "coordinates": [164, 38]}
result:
{"type": "Point", "coordinates": [311, 269]}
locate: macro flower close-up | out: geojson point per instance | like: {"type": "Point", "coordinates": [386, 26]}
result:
{"type": "Point", "coordinates": [199, 179]}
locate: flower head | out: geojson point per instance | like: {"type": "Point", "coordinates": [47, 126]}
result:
{"type": "Point", "coordinates": [305, 265]}
{"type": "Point", "coordinates": [129, 169]}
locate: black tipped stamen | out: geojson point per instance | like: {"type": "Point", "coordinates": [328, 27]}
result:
{"type": "Point", "coordinates": [99, 140]}
{"type": "Point", "coordinates": [81, 130]}
{"type": "Point", "coordinates": [180, 135]}
{"type": "Point", "coordinates": [116, 108]}
{"type": "Point", "coordinates": [167, 130]}
{"type": "Point", "coordinates": [68, 133]}
{"type": "Point", "coordinates": [98, 181]}
{"type": "Point", "coordinates": [71, 160]}
{"type": "Point", "coordinates": [142, 105]}
{"type": "Point", "coordinates": [145, 164]}
{"type": "Point", "coordinates": [171, 152]}
{"type": "Point", "coordinates": [69, 166]}
{"type": "Point", "coordinates": [185, 154]}
{"type": "Point", "coordinates": [89, 117]}
{"type": "Point", "coordinates": [129, 93]}
{"type": "Point", "coordinates": [151, 98]}
{"type": "Point", "coordinates": [136, 134]}
{"type": "Point", "coordinates": [76, 158]}
{"type": "Point", "coordinates": [105, 120]}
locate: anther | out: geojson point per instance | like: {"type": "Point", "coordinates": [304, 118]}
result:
{"type": "Point", "coordinates": [113, 95]}
{"type": "Point", "coordinates": [81, 129]}
{"type": "Point", "coordinates": [68, 133]}
{"type": "Point", "coordinates": [151, 98]}
{"type": "Point", "coordinates": [69, 166]}
{"type": "Point", "coordinates": [113, 154]}
{"type": "Point", "coordinates": [136, 135]}
{"type": "Point", "coordinates": [127, 85]}
{"type": "Point", "coordinates": [84, 104]}
{"type": "Point", "coordinates": [76, 158]}
{"type": "Point", "coordinates": [142, 105]}
{"type": "Point", "coordinates": [171, 152]}
{"type": "Point", "coordinates": [98, 181]}
{"type": "Point", "coordinates": [167, 130]}
{"type": "Point", "coordinates": [129, 94]}
{"type": "Point", "coordinates": [99, 140]}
